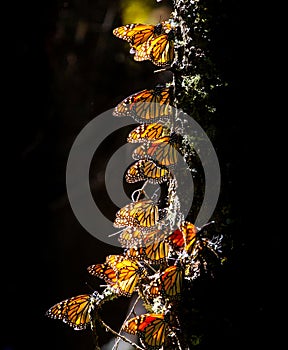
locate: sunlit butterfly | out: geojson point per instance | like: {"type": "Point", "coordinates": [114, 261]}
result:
{"type": "Point", "coordinates": [169, 284]}
{"type": "Point", "coordinates": [164, 150]}
{"type": "Point", "coordinates": [131, 237]}
{"type": "Point", "coordinates": [152, 329]}
{"type": "Point", "coordinates": [149, 42]}
{"type": "Point", "coordinates": [204, 248]}
{"type": "Point", "coordinates": [75, 311]}
{"type": "Point", "coordinates": [128, 273]}
{"type": "Point", "coordinates": [159, 50]}
{"type": "Point", "coordinates": [147, 169]}
{"type": "Point", "coordinates": [148, 132]}
{"type": "Point", "coordinates": [183, 237]}
{"type": "Point", "coordinates": [176, 239]}
{"type": "Point", "coordinates": [202, 258]}
{"type": "Point", "coordinates": [141, 214]}
{"type": "Point", "coordinates": [148, 105]}
{"type": "Point", "coordinates": [113, 259]}
{"type": "Point", "coordinates": [157, 235]}
{"type": "Point", "coordinates": [106, 270]}
{"type": "Point", "coordinates": [153, 253]}
{"type": "Point", "coordinates": [137, 34]}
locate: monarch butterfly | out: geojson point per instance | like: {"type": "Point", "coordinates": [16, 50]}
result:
{"type": "Point", "coordinates": [131, 237]}
{"type": "Point", "coordinates": [190, 232]}
{"type": "Point", "coordinates": [152, 329]}
{"type": "Point", "coordinates": [163, 150]}
{"type": "Point", "coordinates": [154, 236]}
{"type": "Point", "coordinates": [169, 284]}
{"type": "Point", "coordinates": [149, 42]}
{"type": "Point", "coordinates": [137, 34]}
{"type": "Point", "coordinates": [106, 270]}
{"type": "Point", "coordinates": [159, 50]}
{"type": "Point", "coordinates": [146, 105]}
{"type": "Point", "coordinates": [176, 239]}
{"type": "Point", "coordinates": [148, 170]}
{"type": "Point", "coordinates": [128, 274]}
{"type": "Point", "coordinates": [184, 237]}
{"type": "Point", "coordinates": [141, 214]}
{"type": "Point", "coordinates": [75, 311]}
{"type": "Point", "coordinates": [154, 253]}
{"type": "Point", "coordinates": [113, 259]}
{"type": "Point", "coordinates": [148, 132]}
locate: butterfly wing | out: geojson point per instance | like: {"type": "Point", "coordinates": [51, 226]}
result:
{"type": "Point", "coordinates": [123, 217]}
{"type": "Point", "coordinates": [148, 132]}
{"type": "Point", "coordinates": [155, 236]}
{"type": "Point", "coordinates": [149, 42]}
{"type": "Point", "coordinates": [131, 237]}
{"type": "Point", "coordinates": [103, 271]}
{"type": "Point", "coordinates": [141, 53]}
{"type": "Point", "coordinates": [168, 284]}
{"type": "Point", "coordinates": [128, 274]}
{"type": "Point", "coordinates": [156, 252]}
{"type": "Point", "coordinates": [176, 239]}
{"type": "Point", "coordinates": [162, 150]}
{"type": "Point", "coordinates": [147, 170]}
{"type": "Point", "coordinates": [135, 33]}
{"type": "Point", "coordinates": [161, 50]}
{"type": "Point", "coordinates": [146, 105]}
{"type": "Point", "coordinates": [142, 34]}
{"type": "Point", "coordinates": [190, 235]}
{"type": "Point", "coordinates": [152, 329]}
{"type": "Point", "coordinates": [143, 213]}
{"type": "Point", "coordinates": [74, 311]}
{"type": "Point", "coordinates": [172, 281]}
{"type": "Point", "coordinates": [146, 213]}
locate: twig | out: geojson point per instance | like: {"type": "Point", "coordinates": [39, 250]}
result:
{"type": "Point", "coordinates": [120, 336]}
{"type": "Point", "coordinates": [127, 317]}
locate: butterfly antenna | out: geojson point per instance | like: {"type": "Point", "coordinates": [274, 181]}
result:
{"type": "Point", "coordinates": [116, 233]}
{"type": "Point", "coordinates": [162, 69]}
{"type": "Point", "coordinates": [207, 224]}
{"type": "Point", "coordinates": [90, 287]}
{"type": "Point", "coordinates": [147, 264]}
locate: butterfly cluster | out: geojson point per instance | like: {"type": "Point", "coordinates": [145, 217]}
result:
{"type": "Point", "coordinates": [163, 253]}
{"type": "Point", "coordinates": [157, 265]}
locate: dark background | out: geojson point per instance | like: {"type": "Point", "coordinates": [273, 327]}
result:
{"type": "Point", "coordinates": [64, 68]}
